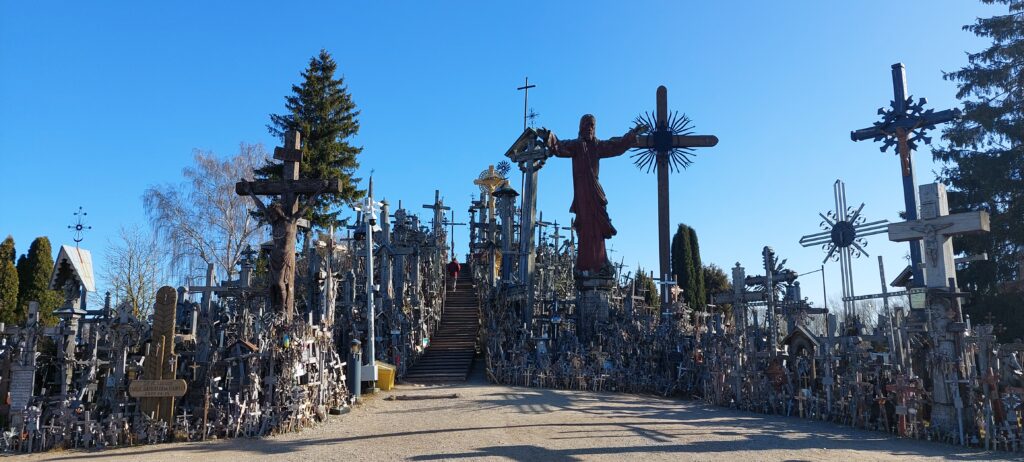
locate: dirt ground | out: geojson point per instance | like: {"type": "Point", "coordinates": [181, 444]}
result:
{"type": "Point", "coordinates": [488, 422]}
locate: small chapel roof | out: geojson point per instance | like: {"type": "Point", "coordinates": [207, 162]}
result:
{"type": "Point", "coordinates": [81, 264]}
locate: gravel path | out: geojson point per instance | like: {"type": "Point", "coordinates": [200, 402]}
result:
{"type": "Point", "coordinates": [489, 422]}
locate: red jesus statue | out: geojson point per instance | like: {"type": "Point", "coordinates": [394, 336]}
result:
{"type": "Point", "coordinates": [588, 203]}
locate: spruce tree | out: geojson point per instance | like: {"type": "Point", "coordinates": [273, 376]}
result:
{"type": "Point", "coordinates": [983, 163]}
{"type": "Point", "coordinates": [8, 283]}
{"type": "Point", "coordinates": [322, 110]}
{"type": "Point", "coordinates": [984, 157]}
{"type": "Point", "coordinates": [34, 270]}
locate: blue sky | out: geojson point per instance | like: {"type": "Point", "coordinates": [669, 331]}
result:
{"type": "Point", "coordinates": [100, 100]}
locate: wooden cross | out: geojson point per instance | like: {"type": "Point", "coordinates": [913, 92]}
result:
{"type": "Point", "coordinates": [283, 216]}
{"type": "Point", "coordinates": [438, 207]}
{"type": "Point", "coordinates": [936, 229]}
{"type": "Point", "coordinates": [451, 234]}
{"type": "Point", "coordinates": [663, 141]}
{"type": "Point", "coordinates": [526, 99]}
{"type": "Point", "coordinates": [898, 127]}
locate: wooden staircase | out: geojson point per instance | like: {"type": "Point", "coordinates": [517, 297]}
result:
{"type": "Point", "coordinates": [449, 355]}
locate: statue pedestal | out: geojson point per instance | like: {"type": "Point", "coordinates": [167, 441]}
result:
{"type": "Point", "coordinates": [593, 302]}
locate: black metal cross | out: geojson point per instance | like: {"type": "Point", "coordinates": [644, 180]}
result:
{"type": "Point", "coordinates": [903, 124]}
{"type": "Point", "coordinates": [79, 226]}
{"type": "Point", "coordinates": [668, 144]}
{"type": "Point", "coordinates": [526, 99]}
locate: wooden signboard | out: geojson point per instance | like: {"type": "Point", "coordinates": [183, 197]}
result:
{"type": "Point", "coordinates": [157, 388]}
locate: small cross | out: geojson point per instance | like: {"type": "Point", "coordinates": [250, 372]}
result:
{"type": "Point", "coordinates": [526, 99]}
{"type": "Point", "coordinates": [79, 226]}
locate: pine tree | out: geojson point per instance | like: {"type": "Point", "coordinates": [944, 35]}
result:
{"type": "Point", "coordinates": [8, 283]}
{"type": "Point", "coordinates": [322, 110]}
{"type": "Point", "coordinates": [34, 270]}
{"type": "Point", "coordinates": [984, 157]}
{"type": "Point", "coordinates": [984, 165]}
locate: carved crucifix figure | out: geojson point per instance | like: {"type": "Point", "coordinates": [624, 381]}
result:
{"type": "Point", "coordinates": [283, 215]}
{"type": "Point", "coordinates": [589, 202]}
{"type": "Point", "coordinates": [935, 228]}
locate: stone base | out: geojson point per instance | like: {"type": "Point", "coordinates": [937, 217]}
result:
{"type": "Point", "coordinates": [593, 301]}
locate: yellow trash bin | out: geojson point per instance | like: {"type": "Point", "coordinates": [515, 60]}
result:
{"type": "Point", "coordinates": [385, 376]}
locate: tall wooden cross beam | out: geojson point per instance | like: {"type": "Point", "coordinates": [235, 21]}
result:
{"type": "Point", "coordinates": [903, 124]}
{"type": "Point", "coordinates": [667, 145]}
{"type": "Point", "coordinates": [283, 216]}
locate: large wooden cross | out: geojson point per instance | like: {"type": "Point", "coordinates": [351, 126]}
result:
{"type": "Point", "coordinates": [283, 216]}
{"type": "Point", "coordinates": [902, 125]}
{"type": "Point", "coordinates": [935, 229]}
{"type": "Point", "coordinates": [663, 141]}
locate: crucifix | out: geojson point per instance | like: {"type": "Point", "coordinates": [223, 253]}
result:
{"type": "Point", "coordinates": [283, 216]}
{"type": "Point", "coordinates": [935, 229]}
{"type": "Point", "coordinates": [668, 144]}
{"type": "Point", "coordinates": [902, 125]}
{"type": "Point", "coordinates": [526, 100]}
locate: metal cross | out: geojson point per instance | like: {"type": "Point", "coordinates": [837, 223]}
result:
{"type": "Point", "coordinates": [79, 226]}
{"type": "Point", "coordinates": [526, 100]}
{"type": "Point", "coordinates": [843, 238]}
{"type": "Point", "coordinates": [668, 145]}
{"type": "Point", "coordinates": [903, 124]}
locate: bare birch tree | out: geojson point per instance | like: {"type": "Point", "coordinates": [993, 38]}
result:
{"type": "Point", "coordinates": [132, 269]}
{"type": "Point", "coordinates": [201, 219]}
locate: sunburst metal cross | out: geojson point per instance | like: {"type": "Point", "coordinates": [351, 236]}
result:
{"type": "Point", "coordinates": [843, 238]}
{"type": "Point", "coordinates": [667, 145]}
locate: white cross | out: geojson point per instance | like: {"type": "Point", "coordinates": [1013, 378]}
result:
{"type": "Point", "coordinates": [936, 228]}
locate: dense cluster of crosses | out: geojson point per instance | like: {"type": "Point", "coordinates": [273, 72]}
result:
{"type": "Point", "coordinates": [271, 351]}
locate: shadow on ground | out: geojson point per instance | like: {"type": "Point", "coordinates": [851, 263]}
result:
{"type": "Point", "coordinates": [602, 418]}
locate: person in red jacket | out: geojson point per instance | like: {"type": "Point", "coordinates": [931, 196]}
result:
{"type": "Point", "coordinates": [453, 271]}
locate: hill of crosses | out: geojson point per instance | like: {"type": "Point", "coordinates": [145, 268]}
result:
{"type": "Point", "coordinates": [314, 320]}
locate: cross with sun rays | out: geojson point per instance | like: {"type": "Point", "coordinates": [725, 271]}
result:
{"type": "Point", "coordinates": [843, 238]}
{"type": "Point", "coordinates": [667, 145]}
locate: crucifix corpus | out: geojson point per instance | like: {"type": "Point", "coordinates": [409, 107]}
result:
{"type": "Point", "coordinates": [667, 145]}
{"type": "Point", "coordinates": [283, 216]}
{"type": "Point", "coordinates": [903, 124]}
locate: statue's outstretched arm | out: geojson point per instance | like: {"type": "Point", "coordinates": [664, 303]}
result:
{"type": "Point", "coordinates": [617, 146]}
{"type": "Point", "coordinates": [256, 199]}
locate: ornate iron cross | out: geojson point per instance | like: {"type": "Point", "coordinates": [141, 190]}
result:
{"type": "Point", "coordinates": [843, 238]}
{"type": "Point", "coordinates": [903, 124]}
{"type": "Point", "coordinates": [79, 226]}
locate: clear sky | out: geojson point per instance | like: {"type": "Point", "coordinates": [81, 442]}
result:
{"type": "Point", "coordinates": [100, 100]}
